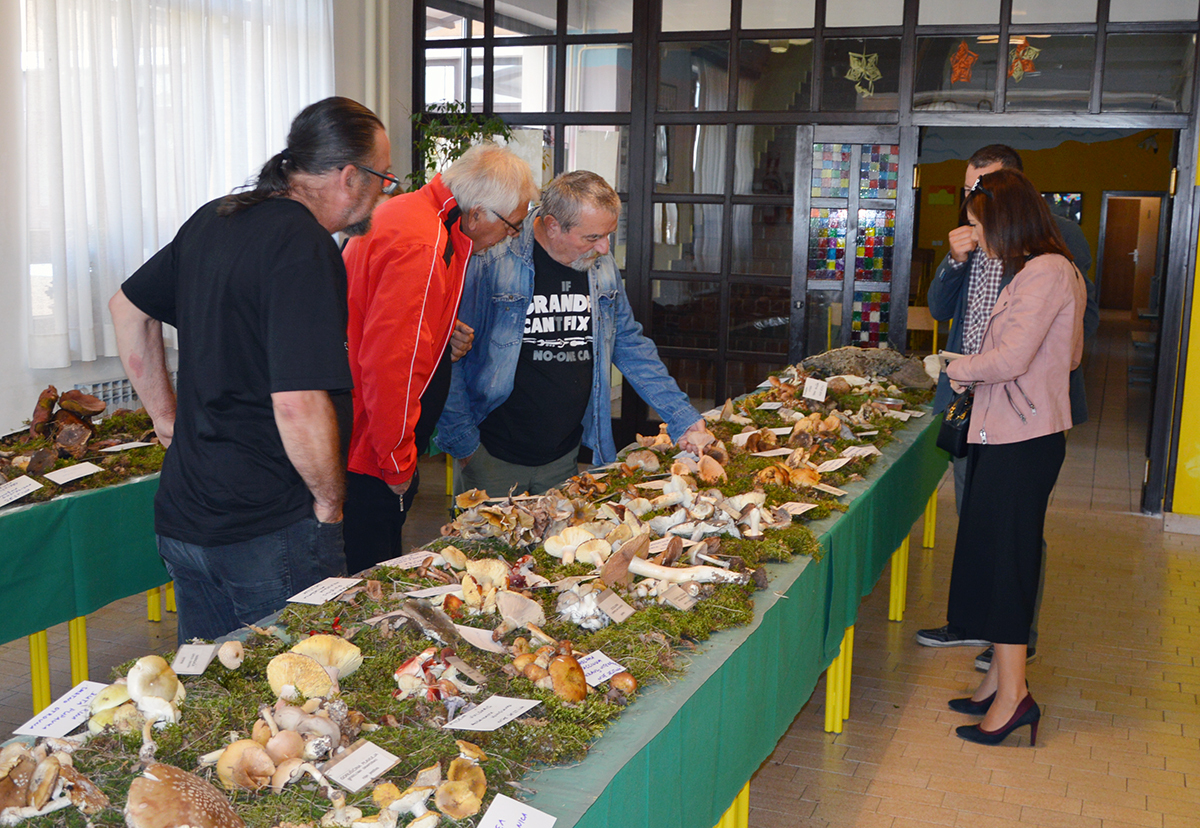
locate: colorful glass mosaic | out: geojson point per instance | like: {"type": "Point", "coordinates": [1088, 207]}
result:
{"type": "Point", "coordinates": [831, 170]}
{"type": "Point", "coordinates": [869, 318]}
{"type": "Point", "coordinates": [878, 171]}
{"type": "Point", "coordinates": [827, 243]}
{"type": "Point", "coordinates": [873, 253]}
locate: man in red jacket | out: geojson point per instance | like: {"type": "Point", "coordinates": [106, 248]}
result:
{"type": "Point", "coordinates": [405, 279]}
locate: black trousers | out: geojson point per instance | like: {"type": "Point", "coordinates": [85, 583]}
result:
{"type": "Point", "coordinates": [374, 520]}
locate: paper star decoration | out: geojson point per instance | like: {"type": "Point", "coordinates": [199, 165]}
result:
{"type": "Point", "coordinates": [864, 67]}
{"type": "Point", "coordinates": [1021, 58]}
{"type": "Point", "coordinates": [961, 63]}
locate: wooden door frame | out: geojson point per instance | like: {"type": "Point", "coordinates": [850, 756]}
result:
{"type": "Point", "coordinates": [1163, 229]}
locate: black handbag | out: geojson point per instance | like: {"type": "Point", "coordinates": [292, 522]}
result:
{"type": "Point", "coordinates": [953, 434]}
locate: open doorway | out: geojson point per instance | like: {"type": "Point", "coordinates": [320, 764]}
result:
{"type": "Point", "coordinates": [1089, 172]}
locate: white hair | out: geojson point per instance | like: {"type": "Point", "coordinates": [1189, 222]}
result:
{"type": "Point", "coordinates": [490, 177]}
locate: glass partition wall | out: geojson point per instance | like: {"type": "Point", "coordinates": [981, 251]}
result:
{"type": "Point", "coordinates": [765, 150]}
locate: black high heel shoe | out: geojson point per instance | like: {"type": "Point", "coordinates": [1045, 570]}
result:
{"type": "Point", "coordinates": [972, 707]}
{"type": "Point", "coordinates": [1027, 713]}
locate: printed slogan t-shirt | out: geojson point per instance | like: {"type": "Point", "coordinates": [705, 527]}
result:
{"type": "Point", "coordinates": [543, 417]}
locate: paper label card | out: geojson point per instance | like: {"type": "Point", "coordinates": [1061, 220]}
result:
{"type": "Point", "coordinates": [466, 669]}
{"type": "Point", "coordinates": [410, 561]}
{"type": "Point", "coordinates": [870, 433]}
{"type": "Point", "coordinates": [833, 490]}
{"type": "Point", "coordinates": [660, 545]}
{"type": "Point", "coordinates": [653, 485]}
{"type": "Point", "coordinates": [712, 414]}
{"type": "Point", "coordinates": [435, 592]}
{"type": "Point", "coordinates": [770, 406]}
{"type": "Point", "coordinates": [899, 415]}
{"type": "Point", "coordinates": [860, 451]}
{"type": "Point", "coordinates": [677, 597]}
{"type": "Point", "coordinates": [68, 712]}
{"type": "Point", "coordinates": [614, 606]}
{"type": "Point", "coordinates": [795, 508]}
{"type": "Point", "coordinates": [782, 430]}
{"type": "Point", "coordinates": [505, 812]}
{"type": "Point", "coordinates": [740, 438]}
{"type": "Point", "coordinates": [323, 591]}
{"type": "Point", "coordinates": [193, 659]}
{"type": "Point", "coordinates": [491, 714]}
{"type": "Point", "coordinates": [833, 465]}
{"type": "Point", "coordinates": [912, 413]}
{"type": "Point", "coordinates": [480, 639]}
{"type": "Point", "coordinates": [563, 584]}
{"type": "Point", "coordinates": [361, 764]}
{"type": "Point", "coordinates": [65, 476]}
{"type": "Point", "coordinates": [815, 389]}
{"type": "Point", "coordinates": [775, 452]}
{"type": "Point", "coordinates": [126, 446]}
{"type": "Point", "coordinates": [598, 668]}
{"type": "Point", "coordinates": [17, 489]}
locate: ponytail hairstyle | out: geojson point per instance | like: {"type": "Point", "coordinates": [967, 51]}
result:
{"type": "Point", "coordinates": [326, 135]}
{"type": "Point", "coordinates": [1017, 223]}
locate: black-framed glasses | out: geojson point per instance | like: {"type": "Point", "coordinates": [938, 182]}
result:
{"type": "Point", "coordinates": [390, 182]}
{"type": "Point", "coordinates": [977, 187]}
{"type": "Point", "coordinates": [516, 228]}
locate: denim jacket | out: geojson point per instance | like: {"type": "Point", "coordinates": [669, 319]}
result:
{"type": "Point", "coordinates": [498, 290]}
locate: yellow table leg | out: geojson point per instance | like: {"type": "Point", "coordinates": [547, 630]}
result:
{"type": "Point", "coordinates": [848, 656]}
{"type": "Point", "coordinates": [449, 475]}
{"type": "Point", "coordinates": [930, 520]}
{"type": "Point", "coordinates": [837, 685]}
{"type": "Point", "coordinates": [170, 593]}
{"type": "Point", "coordinates": [39, 671]}
{"type": "Point", "coordinates": [154, 604]}
{"type": "Point", "coordinates": [898, 591]}
{"type": "Point", "coordinates": [738, 815]}
{"type": "Point", "coordinates": [79, 654]}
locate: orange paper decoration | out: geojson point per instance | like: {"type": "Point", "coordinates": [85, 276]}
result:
{"type": "Point", "coordinates": [1021, 59]}
{"type": "Point", "coordinates": [961, 63]}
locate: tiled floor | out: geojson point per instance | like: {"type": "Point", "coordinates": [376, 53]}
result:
{"type": "Point", "coordinates": [1117, 675]}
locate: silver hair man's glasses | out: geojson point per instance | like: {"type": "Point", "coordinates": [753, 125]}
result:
{"type": "Point", "coordinates": [390, 182]}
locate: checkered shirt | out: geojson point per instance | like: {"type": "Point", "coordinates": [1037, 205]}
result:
{"type": "Point", "coordinates": [983, 286]}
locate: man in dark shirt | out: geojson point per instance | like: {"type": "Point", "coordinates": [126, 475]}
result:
{"type": "Point", "coordinates": [249, 505]}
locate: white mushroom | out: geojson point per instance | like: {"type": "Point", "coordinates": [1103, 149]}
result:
{"type": "Point", "coordinates": [231, 654]}
{"type": "Point", "coordinates": [679, 574]}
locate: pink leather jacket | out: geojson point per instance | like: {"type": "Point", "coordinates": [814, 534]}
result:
{"type": "Point", "coordinates": [1033, 339]}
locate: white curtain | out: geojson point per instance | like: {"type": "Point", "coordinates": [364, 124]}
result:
{"type": "Point", "coordinates": [137, 112]}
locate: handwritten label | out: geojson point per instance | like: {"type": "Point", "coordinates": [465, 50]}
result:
{"type": "Point", "coordinates": [677, 597]}
{"type": "Point", "coordinates": [361, 764]}
{"type": "Point", "coordinates": [68, 712]}
{"type": "Point", "coordinates": [770, 406]}
{"type": "Point", "coordinates": [126, 446]}
{"type": "Point", "coordinates": [410, 561]}
{"type": "Point", "coordinates": [480, 639]}
{"type": "Point", "coordinates": [323, 591]}
{"type": "Point", "coordinates": [833, 490]}
{"type": "Point", "coordinates": [795, 508]}
{"type": "Point", "coordinates": [815, 389]}
{"type": "Point", "coordinates": [833, 465]}
{"type": "Point", "coordinates": [193, 659]}
{"type": "Point", "coordinates": [436, 592]}
{"type": "Point", "coordinates": [775, 452]}
{"type": "Point", "coordinates": [599, 668]}
{"type": "Point", "coordinates": [614, 606]}
{"type": "Point", "coordinates": [17, 489]}
{"type": "Point", "coordinates": [509, 813]}
{"type": "Point", "coordinates": [491, 714]}
{"type": "Point", "coordinates": [860, 451]}
{"type": "Point", "coordinates": [65, 476]}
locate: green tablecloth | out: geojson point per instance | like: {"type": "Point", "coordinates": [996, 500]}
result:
{"type": "Point", "coordinates": [75, 554]}
{"type": "Point", "coordinates": [680, 755]}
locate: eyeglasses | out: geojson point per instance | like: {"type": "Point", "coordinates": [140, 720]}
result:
{"type": "Point", "coordinates": [390, 181]}
{"type": "Point", "coordinates": [977, 187]}
{"type": "Point", "coordinates": [516, 228]}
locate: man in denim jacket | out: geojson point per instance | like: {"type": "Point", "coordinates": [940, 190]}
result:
{"type": "Point", "coordinates": [551, 318]}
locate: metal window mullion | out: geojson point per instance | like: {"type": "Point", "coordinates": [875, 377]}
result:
{"type": "Point", "coordinates": [801, 229]}
{"type": "Point", "coordinates": [903, 241]}
{"type": "Point", "coordinates": [489, 59]}
{"type": "Point", "coordinates": [818, 56]}
{"type": "Point", "coordinates": [851, 259]}
{"type": "Point", "coordinates": [726, 268]}
{"type": "Point", "coordinates": [1094, 100]}
{"type": "Point", "coordinates": [1001, 91]}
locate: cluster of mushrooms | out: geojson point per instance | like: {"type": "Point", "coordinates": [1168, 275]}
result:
{"type": "Point", "coordinates": [39, 780]}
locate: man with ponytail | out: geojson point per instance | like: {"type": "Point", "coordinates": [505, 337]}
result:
{"type": "Point", "coordinates": [249, 505]}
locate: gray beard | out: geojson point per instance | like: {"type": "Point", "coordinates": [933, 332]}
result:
{"type": "Point", "coordinates": [584, 263]}
{"type": "Point", "coordinates": [359, 228]}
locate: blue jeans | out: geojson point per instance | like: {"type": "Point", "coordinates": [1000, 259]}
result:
{"type": "Point", "coordinates": [221, 588]}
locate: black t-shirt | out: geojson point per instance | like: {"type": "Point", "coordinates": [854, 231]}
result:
{"type": "Point", "coordinates": [259, 300]}
{"type": "Point", "coordinates": [543, 417]}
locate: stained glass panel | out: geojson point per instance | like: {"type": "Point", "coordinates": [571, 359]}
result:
{"type": "Point", "coordinates": [827, 243]}
{"type": "Point", "coordinates": [831, 171]}
{"type": "Point", "coordinates": [873, 255]}
{"type": "Point", "coordinates": [878, 171]}
{"type": "Point", "coordinates": [869, 318]}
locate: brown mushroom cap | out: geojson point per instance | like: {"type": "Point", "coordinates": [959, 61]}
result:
{"type": "Point", "coordinates": [470, 750]}
{"type": "Point", "coordinates": [42, 782]}
{"type": "Point", "coordinates": [456, 800]}
{"type": "Point", "coordinates": [625, 682]}
{"type": "Point", "coordinates": [293, 674]}
{"type": "Point", "coordinates": [14, 786]}
{"type": "Point", "coordinates": [471, 498]}
{"type": "Point", "coordinates": [167, 797]}
{"type": "Point", "coordinates": [84, 793]}
{"type": "Point", "coordinates": [331, 651]}
{"type": "Point", "coordinates": [245, 764]}
{"type": "Point", "coordinates": [567, 675]}
{"type": "Point", "coordinates": [464, 770]}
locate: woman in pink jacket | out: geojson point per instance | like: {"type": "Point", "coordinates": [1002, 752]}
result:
{"type": "Point", "coordinates": [1031, 340]}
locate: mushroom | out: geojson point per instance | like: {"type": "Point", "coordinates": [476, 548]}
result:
{"type": "Point", "coordinates": [429, 777]}
{"type": "Point", "coordinates": [412, 801]}
{"type": "Point", "coordinates": [454, 556]}
{"type": "Point", "coordinates": [341, 815]}
{"type": "Point", "coordinates": [292, 769]}
{"type": "Point", "coordinates": [42, 782]}
{"type": "Point", "coordinates": [156, 690]}
{"type": "Point", "coordinates": [83, 792]}
{"type": "Point", "coordinates": [470, 499]}
{"type": "Point", "coordinates": [464, 770]}
{"type": "Point", "coordinates": [111, 696]}
{"type": "Point", "coordinates": [567, 677]}
{"type": "Point", "coordinates": [490, 572]}
{"type": "Point", "coordinates": [680, 574]}
{"type": "Point", "coordinates": [625, 682]}
{"type": "Point", "coordinates": [332, 652]}
{"type": "Point", "coordinates": [167, 797]}
{"type": "Point", "coordinates": [286, 744]}
{"type": "Point", "coordinates": [710, 470]}
{"type": "Point", "coordinates": [292, 675]}
{"type": "Point", "coordinates": [456, 800]}
{"type": "Point", "coordinates": [428, 821]}
{"type": "Point", "coordinates": [245, 765]}
{"type": "Point", "coordinates": [643, 459]}
{"type": "Point", "coordinates": [231, 654]}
